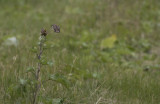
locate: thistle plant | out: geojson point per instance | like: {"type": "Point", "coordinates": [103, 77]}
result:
{"type": "Point", "coordinates": [36, 81]}
{"type": "Point", "coordinates": [38, 70]}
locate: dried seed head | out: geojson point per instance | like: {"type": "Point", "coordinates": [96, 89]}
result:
{"type": "Point", "coordinates": [43, 32]}
{"type": "Point", "coordinates": [56, 28]}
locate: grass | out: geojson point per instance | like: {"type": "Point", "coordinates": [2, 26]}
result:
{"type": "Point", "coordinates": [113, 75]}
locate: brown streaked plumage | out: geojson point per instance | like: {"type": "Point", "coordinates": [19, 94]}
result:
{"type": "Point", "coordinates": [56, 28]}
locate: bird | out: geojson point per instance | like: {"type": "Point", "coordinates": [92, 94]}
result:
{"type": "Point", "coordinates": [56, 28]}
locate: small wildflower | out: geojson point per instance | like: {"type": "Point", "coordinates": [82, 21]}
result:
{"type": "Point", "coordinates": [56, 28]}
{"type": "Point", "coordinates": [43, 32]}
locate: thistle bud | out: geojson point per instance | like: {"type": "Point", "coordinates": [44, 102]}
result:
{"type": "Point", "coordinates": [43, 32]}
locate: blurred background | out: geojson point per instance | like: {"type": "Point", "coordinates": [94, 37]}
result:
{"type": "Point", "coordinates": [108, 49]}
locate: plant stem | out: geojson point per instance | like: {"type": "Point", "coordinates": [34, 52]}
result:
{"type": "Point", "coordinates": [37, 75]}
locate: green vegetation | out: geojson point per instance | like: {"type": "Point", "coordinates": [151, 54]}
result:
{"type": "Point", "coordinates": [107, 52]}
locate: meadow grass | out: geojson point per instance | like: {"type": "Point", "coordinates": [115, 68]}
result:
{"type": "Point", "coordinates": [126, 73]}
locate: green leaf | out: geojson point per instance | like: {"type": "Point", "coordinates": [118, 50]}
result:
{"type": "Point", "coordinates": [60, 79]}
{"type": "Point", "coordinates": [34, 49]}
{"type": "Point", "coordinates": [43, 61]}
{"type": "Point", "coordinates": [108, 42]}
{"type": "Point", "coordinates": [30, 69]}
{"type": "Point", "coordinates": [50, 63]}
{"type": "Point", "coordinates": [23, 82]}
{"type": "Point", "coordinates": [57, 101]}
